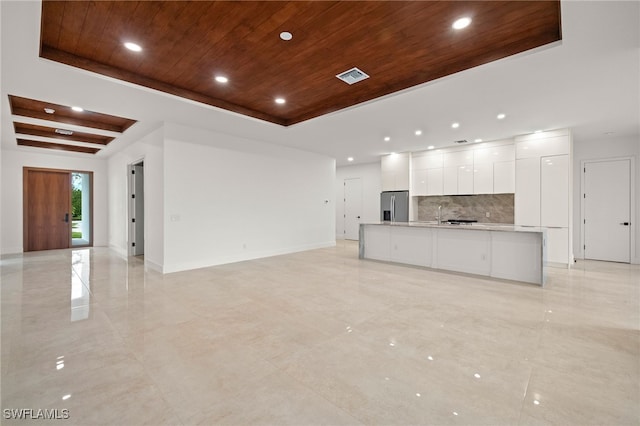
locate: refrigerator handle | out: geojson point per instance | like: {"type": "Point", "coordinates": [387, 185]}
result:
{"type": "Point", "coordinates": [393, 208]}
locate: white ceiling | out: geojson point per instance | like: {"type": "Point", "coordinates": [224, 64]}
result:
{"type": "Point", "coordinates": [589, 82]}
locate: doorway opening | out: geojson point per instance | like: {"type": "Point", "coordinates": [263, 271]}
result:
{"type": "Point", "coordinates": [136, 208]}
{"type": "Point", "coordinates": [80, 209]}
{"type": "Point", "coordinates": [57, 209]}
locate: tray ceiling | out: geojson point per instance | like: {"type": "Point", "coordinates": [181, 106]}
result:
{"type": "Point", "coordinates": [67, 129]}
{"type": "Point", "coordinates": [185, 45]}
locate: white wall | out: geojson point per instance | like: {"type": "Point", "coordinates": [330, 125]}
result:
{"type": "Point", "coordinates": [229, 199]}
{"type": "Point", "coordinates": [371, 179]}
{"type": "Point", "coordinates": [150, 149]}
{"type": "Point", "coordinates": [12, 163]}
{"type": "Point", "coordinates": [603, 149]}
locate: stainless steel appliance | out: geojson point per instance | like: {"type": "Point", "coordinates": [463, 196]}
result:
{"type": "Point", "coordinates": [394, 206]}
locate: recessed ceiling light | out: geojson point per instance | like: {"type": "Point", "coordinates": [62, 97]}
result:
{"type": "Point", "coordinates": [393, 153]}
{"type": "Point", "coordinates": [387, 138]}
{"type": "Point", "coordinates": [430, 147]}
{"type": "Point", "coordinates": [77, 109]}
{"type": "Point", "coordinates": [280, 101]}
{"type": "Point", "coordinates": [49, 110]}
{"type": "Point", "coordinates": [418, 132]}
{"type": "Point", "coordinates": [455, 125]}
{"type": "Point", "coordinates": [286, 35]}
{"type": "Point", "coordinates": [478, 140]}
{"type": "Point", "coordinates": [461, 23]}
{"type": "Point", "coordinates": [221, 79]}
{"type": "Point", "coordinates": [64, 132]}
{"type": "Point", "coordinates": [500, 116]}
{"type": "Point", "coordinates": [133, 47]}
{"type": "Point", "coordinates": [350, 159]}
{"type": "Point", "coordinates": [538, 131]}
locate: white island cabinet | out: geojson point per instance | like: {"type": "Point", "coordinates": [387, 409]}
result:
{"type": "Point", "coordinates": [506, 252]}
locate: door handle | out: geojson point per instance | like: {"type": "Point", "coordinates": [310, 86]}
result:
{"type": "Point", "coordinates": [66, 217]}
{"type": "Point", "coordinates": [625, 223]}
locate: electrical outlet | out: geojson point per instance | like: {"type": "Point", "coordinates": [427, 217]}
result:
{"type": "Point", "coordinates": [488, 214]}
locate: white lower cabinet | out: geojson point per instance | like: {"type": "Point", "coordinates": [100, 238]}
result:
{"type": "Point", "coordinates": [411, 246]}
{"type": "Point", "coordinates": [558, 245]}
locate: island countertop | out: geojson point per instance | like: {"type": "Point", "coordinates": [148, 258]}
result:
{"type": "Point", "coordinates": [504, 227]}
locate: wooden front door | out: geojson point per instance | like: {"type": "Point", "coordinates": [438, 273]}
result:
{"type": "Point", "coordinates": [47, 208]}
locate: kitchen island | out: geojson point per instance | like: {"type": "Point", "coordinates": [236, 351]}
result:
{"type": "Point", "coordinates": [499, 251]}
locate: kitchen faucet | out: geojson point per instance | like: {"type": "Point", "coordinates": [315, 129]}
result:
{"type": "Point", "coordinates": [439, 214]}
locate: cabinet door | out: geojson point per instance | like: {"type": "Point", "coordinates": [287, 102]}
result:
{"type": "Point", "coordinates": [557, 245]}
{"type": "Point", "coordinates": [388, 181]}
{"type": "Point", "coordinates": [504, 177]}
{"type": "Point", "coordinates": [554, 191]}
{"type": "Point", "coordinates": [450, 181]}
{"type": "Point", "coordinates": [419, 182]}
{"type": "Point", "coordinates": [434, 181]}
{"type": "Point", "coordinates": [527, 196]}
{"type": "Point", "coordinates": [483, 178]}
{"type": "Point", "coordinates": [465, 180]}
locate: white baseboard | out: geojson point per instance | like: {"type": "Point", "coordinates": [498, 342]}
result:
{"type": "Point", "coordinates": [240, 257]}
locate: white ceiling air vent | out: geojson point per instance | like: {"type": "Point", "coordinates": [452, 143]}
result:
{"type": "Point", "coordinates": [354, 75]}
{"type": "Point", "coordinates": [64, 132]}
{"type": "Point", "coordinates": [461, 141]}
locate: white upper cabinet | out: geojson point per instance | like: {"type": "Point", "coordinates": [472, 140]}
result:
{"type": "Point", "coordinates": [542, 144]}
{"type": "Point", "coordinates": [450, 181]}
{"type": "Point", "coordinates": [483, 178]}
{"type": "Point", "coordinates": [426, 160]}
{"type": "Point", "coordinates": [458, 158]}
{"type": "Point", "coordinates": [419, 182]}
{"type": "Point", "coordinates": [395, 172]}
{"type": "Point", "coordinates": [554, 191]}
{"type": "Point", "coordinates": [465, 180]}
{"type": "Point", "coordinates": [434, 181]}
{"type": "Point", "coordinates": [504, 177]}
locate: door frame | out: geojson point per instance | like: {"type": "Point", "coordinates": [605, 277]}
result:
{"type": "Point", "coordinates": [131, 237]}
{"type": "Point", "coordinates": [25, 198]}
{"type": "Point", "coordinates": [632, 203]}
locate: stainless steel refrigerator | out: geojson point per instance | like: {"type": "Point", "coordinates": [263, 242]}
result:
{"type": "Point", "coordinates": [394, 206]}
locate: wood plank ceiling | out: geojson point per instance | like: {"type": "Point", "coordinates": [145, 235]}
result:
{"type": "Point", "coordinates": [185, 44]}
{"type": "Point", "coordinates": [64, 138]}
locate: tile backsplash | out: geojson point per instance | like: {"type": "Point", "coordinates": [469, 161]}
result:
{"type": "Point", "coordinates": [499, 207]}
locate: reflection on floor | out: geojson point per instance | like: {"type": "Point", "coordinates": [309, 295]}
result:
{"type": "Point", "coordinates": [318, 337]}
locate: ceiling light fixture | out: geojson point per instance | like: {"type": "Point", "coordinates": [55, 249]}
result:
{"type": "Point", "coordinates": [430, 147]}
{"type": "Point", "coordinates": [77, 109]}
{"type": "Point", "coordinates": [461, 23]}
{"type": "Point", "coordinates": [478, 140]}
{"type": "Point", "coordinates": [133, 47]}
{"type": "Point", "coordinates": [387, 138]}
{"type": "Point", "coordinates": [500, 116]}
{"type": "Point", "coordinates": [418, 132]}
{"type": "Point", "coordinates": [221, 79]}
{"type": "Point", "coordinates": [455, 125]}
{"type": "Point", "coordinates": [350, 159]}
{"type": "Point", "coordinates": [286, 35]}
{"type": "Point", "coordinates": [49, 110]}
{"type": "Point", "coordinates": [64, 132]}
{"type": "Point", "coordinates": [280, 101]}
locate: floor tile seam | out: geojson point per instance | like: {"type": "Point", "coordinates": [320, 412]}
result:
{"type": "Point", "coordinates": [313, 391]}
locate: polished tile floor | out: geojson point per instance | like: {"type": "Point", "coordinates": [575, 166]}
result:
{"type": "Point", "coordinates": [318, 337]}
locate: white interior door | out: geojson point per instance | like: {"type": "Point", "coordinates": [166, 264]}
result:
{"type": "Point", "coordinates": [352, 208]}
{"type": "Point", "coordinates": [607, 210]}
